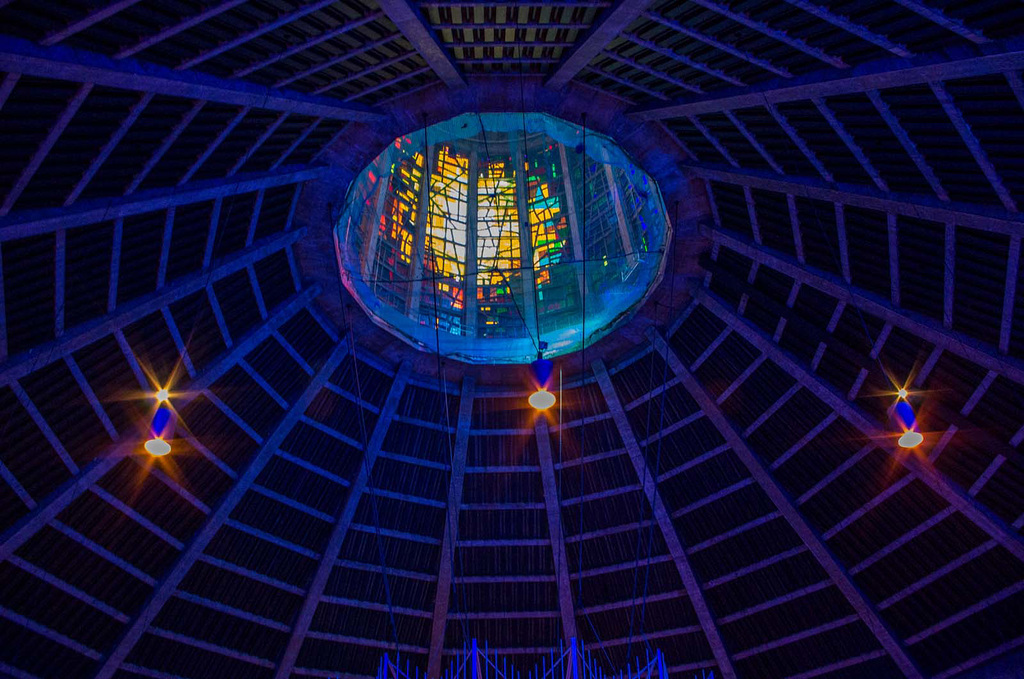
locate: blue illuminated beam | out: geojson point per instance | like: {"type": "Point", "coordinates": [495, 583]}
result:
{"type": "Point", "coordinates": [414, 27]}
{"type": "Point", "coordinates": [660, 514]}
{"type": "Point", "coordinates": [442, 592]}
{"type": "Point", "coordinates": [344, 522]}
{"type": "Point", "coordinates": [613, 22]}
{"type": "Point", "coordinates": [881, 74]}
{"type": "Point", "coordinates": [28, 223]}
{"type": "Point", "coordinates": [60, 499]}
{"type": "Point", "coordinates": [169, 584]}
{"type": "Point", "coordinates": [62, 63]}
{"type": "Point", "coordinates": [814, 542]}
{"type": "Point", "coordinates": [979, 515]}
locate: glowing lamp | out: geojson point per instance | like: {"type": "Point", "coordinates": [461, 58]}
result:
{"type": "Point", "coordinates": [542, 399]}
{"type": "Point", "coordinates": [910, 439]}
{"type": "Point", "coordinates": [157, 447]}
{"type": "Point", "coordinates": [162, 396]}
{"type": "Point", "coordinates": [907, 421]}
{"type": "Point", "coordinates": [902, 393]}
{"type": "Point", "coordinates": [160, 428]}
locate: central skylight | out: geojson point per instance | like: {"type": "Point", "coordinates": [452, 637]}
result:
{"type": "Point", "coordinates": [527, 231]}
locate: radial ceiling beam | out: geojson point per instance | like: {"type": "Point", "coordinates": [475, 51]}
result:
{"type": "Point", "coordinates": [983, 218]}
{"type": "Point", "coordinates": [553, 509]}
{"type": "Point", "coordinates": [345, 520]}
{"type": "Point", "coordinates": [717, 44]}
{"type": "Point", "coordinates": [613, 22]}
{"type": "Point", "coordinates": [975, 512]}
{"type": "Point", "coordinates": [183, 25]}
{"type": "Point", "coordinates": [278, 22]}
{"type": "Point", "coordinates": [24, 224]}
{"type": "Point", "coordinates": [664, 521]}
{"type": "Point", "coordinates": [312, 42]}
{"type": "Point", "coordinates": [60, 499]}
{"type": "Point", "coordinates": [416, 30]}
{"type": "Point", "coordinates": [86, 333]}
{"type": "Point", "coordinates": [682, 59]}
{"type": "Point", "coordinates": [824, 556]}
{"type": "Point", "coordinates": [63, 63]}
{"type": "Point", "coordinates": [849, 26]}
{"type": "Point", "coordinates": [974, 145]}
{"type": "Point", "coordinates": [774, 33]}
{"type": "Point", "coordinates": [880, 74]}
{"type": "Point", "coordinates": [916, 324]}
{"type": "Point", "coordinates": [199, 542]}
{"type": "Point", "coordinates": [938, 17]}
{"type": "Point", "coordinates": [56, 130]}
{"type": "Point", "coordinates": [442, 592]}
{"type": "Point", "coordinates": [109, 147]}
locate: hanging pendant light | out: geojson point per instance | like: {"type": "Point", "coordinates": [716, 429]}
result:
{"type": "Point", "coordinates": [542, 399]}
{"type": "Point", "coordinates": [160, 430]}
{"type": "Point", "coordinates": [906, 420]}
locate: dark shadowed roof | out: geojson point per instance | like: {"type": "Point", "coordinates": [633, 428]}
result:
{"type": "Point", "coordinates": [720, 480]}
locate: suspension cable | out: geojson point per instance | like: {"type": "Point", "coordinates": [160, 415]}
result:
{"type": "Point", "coordinates": [368, 470]}
{"type": "Point", "coordinates": [441, 388]}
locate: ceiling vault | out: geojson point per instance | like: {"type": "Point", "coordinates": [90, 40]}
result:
{"type": "Point", "coordinates": [330, 553]}
{"type": "Point", "coordinates": [886, 73]}
{"type": "Point", "coordinates": [424, 40]}
{"type": "Point", "coordinates": [982, 517]}
{"type": "Point", "coordinates": [814, 542]}
{"type": "Point", "coordinates": [660, 514]}
{"type": "Point", "coordinates": [449, 547]}
{"type": "Point", "coordinates": [616, 19]}
{"type": "Point", "coordinates": [25, 58]}
{"type": "Point", "coordinates": [167, 216]}
{"type": "Point", "coordinates": [556, 533]}
{"type": "Point", "coordinates": [144, 618]}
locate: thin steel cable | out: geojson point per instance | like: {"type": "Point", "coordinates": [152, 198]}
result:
{"type": "Point", "coordinates": [661, 428]}
{"type": "Point", "coordinates": [369, 483]}
{"type": "Point", "coordinates": [585, 398]}
{"type": "Point", "coordinates": [525, 219]}
{"type": "Point", "coordinates": [641, 504]}
{"type": "Point", "coordinates": [442, 391]}
{"type": "Point", "coordinates": [583, 358]}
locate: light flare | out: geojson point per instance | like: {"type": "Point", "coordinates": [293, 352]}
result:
{"type": "Point", "coordinates": [542, 399]}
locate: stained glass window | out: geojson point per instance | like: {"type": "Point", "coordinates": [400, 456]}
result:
{"type": "Point", "coordinates": [490, 259]}
{"type": "Point", "coordinates": [499, 280]}
{"type": "Point", "coordinates": [446, 233]}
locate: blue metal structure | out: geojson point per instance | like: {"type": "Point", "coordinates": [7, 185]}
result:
{"type": "Point", "coordinates": [719, 478]}
{"type": "Point", "coordinates": [571, 660]}
{"type": "Point", "coordinates": [480, 220]}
